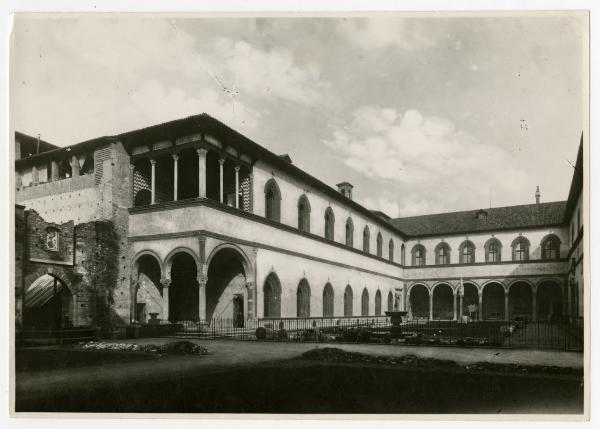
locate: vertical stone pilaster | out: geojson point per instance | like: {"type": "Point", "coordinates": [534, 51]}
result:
{"type": "Point", "coordinates": [201, 172]}
{"type": "Point", "coordinates": [430, 304]}
{"type": "Point", "coordinates": [202, 298]}
{"type": "Point", "coordinates": [454, 305]}
{"type": "Point", "coordinates": [175, 176]}
{"type": "Point", "coordinates": [480, 295]}
{"type": "Point", "coordinates": [237, 187]}
{"type": "Point", "coordinates": [74, 166]}
{"type": "Point", "coordinates": [221, 162]}
{"type": "Point", "coordinates": [153, 182]}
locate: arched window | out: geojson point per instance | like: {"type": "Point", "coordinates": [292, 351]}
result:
{"type": "Point", "coordinates": [551, 247]}
{"type": "Point", "coordinates": [418, 255]}
{"type": "Point", "coordinates": [329, 222]}
{"type": "Point", "coordinates": [303, 299]}
{"type": "Point", "coordinates": [348, 298]}
{"type": "Point", "coordinates": [303, 214]}
{"type": "Point", "coordinates": [391, 250]}
{"type": "Point", "coordinates": [349, 232]}
{"type": "Point", "coordinates": [379, 245]}
{"type": "Point", "coordinates": [366, 240]}
{"type": "Point", "coordinates": [442, 254]}
{"type": "Point", "coordinates": [364, 307]}
{"type": "Point", "coordinates": [467, 252]}
{"type": "Point", "coordinates": [328, 300]}
{"type": "Point", "coordinates": [520, 249]}
{"type": "Point", "coordinates": [272, 296]}
{"type": "Point", "coordinates": [378, 303]}
{"type": "Point", "coordinates": [390, 301]}
{"type": "Point", "coordinates": [272, 200]}
{"type": "Point", "coordinates": [493, 250]}
{"type": "Point", "coordinates": [403, 254]}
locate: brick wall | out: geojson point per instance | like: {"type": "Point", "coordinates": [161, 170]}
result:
{"type": "Point", "coordinates": [37, 249]}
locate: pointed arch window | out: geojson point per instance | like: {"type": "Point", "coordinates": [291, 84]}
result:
{"type": "Point", "coordinates": [467, 252]}
{"type": "Point", "coordinates": [379, 245]}
{"type": "Point", "coordinates": [390, 301]}
{"type": "Point", "coordinates": [493, 250]}
{"type": "Point", "coordinates": [418, 255]}
{"type": "Point", "coordinates": [364, 308]}
{"type": "Point", "coordinates": [329, 224]}
{"type": "Point", "coordinates": [348, 301]}
{"type": "Point", "coordinates": [391, 250]}
{"type": "Point", "coordinates": [366, 240]}
{"type": "Point", "coordinates": [303, 214]}
{"type": "Point", "coordinates": [272, 296]}
{"type": "Point", "coordinates": [303, 299]}
{"type": "Point", "coordinates": [551, 247]}
{"type": "Point", "coordinates": [442, 254]}
{"type": "Point", "coordinates": [403, 254]}
{"type": "Point", "coordinates": [328, 300]}
{"type": "Point", "coordinates": [378, 303]}
{"type": "Point", "coordinates": [520, 249]}
{"type": "Point", "coordinates": [349, 232]}
{"type": "Point", "coordinates": [272, 201]}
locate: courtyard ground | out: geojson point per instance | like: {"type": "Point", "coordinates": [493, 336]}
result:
{"type": "Point", "coordinates": [269, 377]}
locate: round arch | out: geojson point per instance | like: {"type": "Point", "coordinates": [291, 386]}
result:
{"type": "Point", "coordinates": [168, 261]}
{"type": "Point", "coordinates": [57, 272]}
{"type": "Point", "coordinates": [348, 301]}
{"type": "Point", "coordinates": [520, 299]}
{"type": "Point", "coordinates": [48, 300]}
{"type": "Point", "coordinates": [492, 300]}
{"type": "Point", "coordinates": [549, 300]}
{"type": "Point", "coordinates": [442, 258]}
{"type": "Point", "coordinates": [303, 298]}
{"type": "Point", "coordinates": [272, 295]}
{"type": "Point", "coordinates": [443, 301]}
{"type": "Point", "coordinates": [147, 293]}
{"type": "Point", "coordinates": [328, 300]}
{"type": "Point", "coordinates": [245, 260]}
{"type": "Point", "coordinates": [146, 252]}
{"type": "Point", "coordinates": [550, 246]}
{"type": "Point", "coordinates": [418, 300]}
{"type": "Point", "coordinates": [493, 250]}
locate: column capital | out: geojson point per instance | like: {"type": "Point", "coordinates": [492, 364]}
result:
{"type": "Point", "coordinates": [152, 161]}
{"type": "Point", "coordinates": [175, 156]}
{"type": "Point", "coordinates": [131, 167]}
{"type": "Point", "coordinates": [202, 280]}
{"type": "Point", "coordinates": [165, 282]}
{"type": "Point", "coordinates": [221, 161]}
{"type": "Point", "coordinates": [201, 151]}
{"type": "Point", "coordinates": [236, 168]}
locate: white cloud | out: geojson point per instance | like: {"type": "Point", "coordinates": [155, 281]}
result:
{"type": "Point", "coordinates": [426, 159]}
{"type": "Point", "coordinates": [381, 33]}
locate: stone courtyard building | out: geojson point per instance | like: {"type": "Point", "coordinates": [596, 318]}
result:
{"type": "Point", "coordinates": [191, 221]}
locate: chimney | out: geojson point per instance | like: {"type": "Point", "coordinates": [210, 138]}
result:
{"type": "Point", "coordinates": [345, 189]}
{"type": "Point", "coordinates": [537, 195]}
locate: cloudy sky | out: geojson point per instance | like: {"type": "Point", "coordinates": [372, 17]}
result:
{"type": "Point", "coordinates": [422, 114]}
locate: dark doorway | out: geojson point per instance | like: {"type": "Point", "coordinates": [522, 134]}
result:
{"type": "Point", "coordinates": [226, 280]}
{"type": "Point", "coordinates": [443, 302]}
{"type": "Point", "coordinates": [238, 311]}
{"type": "Point", "coordinates": [419, 301]}
{"type": "Point", "coordinates": [183, 293]}
{"type": "Point", "coordinates": [48, 304]}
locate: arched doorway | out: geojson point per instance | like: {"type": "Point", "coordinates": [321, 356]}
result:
{"type": "Point", "coordinates": [378, 303]}
{"type": "Point", "coordinates": [549, 301]}
{"type": "Point", "coordinates": [226, 293]}
{"type": "Point", "coordinates": [183, 292]}
{"type": "Point", "coordinates": [419, 301]}
{"type": "Point", "coordinates": [443, 302]}
{"type": "Point", "coordinates": [149, 291]}
{"type": "Point", "coordinates": [470, 305]}
{"type": "Point", "coordinates": [493, 301]}
{"type": "Point", "coordinates": [348, 301]}
{"type": "Point", "coordinates": [272, 296]}
{"type": "Point", "coordinates": [48, 304]}
{"type": "Point", "coordinates": [520, 301]}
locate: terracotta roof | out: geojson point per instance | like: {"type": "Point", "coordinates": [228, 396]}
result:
{"type": "Point", "coordinates": [493, 219]}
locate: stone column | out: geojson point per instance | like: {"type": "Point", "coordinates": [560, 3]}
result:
{"type": "Point", "coordinates": [534, 304]}
{"type": "Point", "coordinates": [430, 305]}
{"type": "Point", "coordinates": [460, 306]}
{"type": "Point", "coordinates": [454, 305]}
{"type": "Point", "coordinates": [505, 305]}
{"type": "Point", "coordinates": [165, 295]}
{"type": "Point", "coordinates": [221, 162]}
{"type": "Point", "coordinates": [202, 298]}
{"type": "Point", "coordinates": [54, 171]}
{"type": "Point", "coordinates": [480, 294]}
{"type": "Point", "coordinates": [237, 187]}
{"type": "Point", "coordinates": [201, 172]}
{"type": "Point", "coordinates": [35, 175]}
{"type": "Point", "coordinates": [153, 182]}
{"type": "Point", "coordinates": [74, 166]}
{"type": "Point", "coordinates": [175, 176]}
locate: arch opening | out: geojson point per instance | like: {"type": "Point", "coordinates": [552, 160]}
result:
{"type": "Point", "coordinates": [48, 304]}
{"type": "Point", "coordinates": [364, 300]}
{"type": "Point", "coordinates": [183, 292]}
{"type": "Point", "coordinates": [443, 302]}
{"type": "Point", "coordinates": [348, 301]}
{"type": "Point", "coordinates": [493, 301]}
{"type": "Point", "coordinates": [328, 300]}
{"type": "Point", "coordinates": [303, 299]}
{"type": "Point", "coordinates": [549, 301]}
{"type": "Point", "coordinates": [149, 291]}
{"type": "Point", "coordinates": [520, 301]}
{"type": "Point", "coordinates": [272, 296]}
{"type": "Point", "coordinates": [226, 292]}
{"type": "Point", "coordinates": [419, 301]}
{"type": "Point", "coordinates": [470, 301]}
